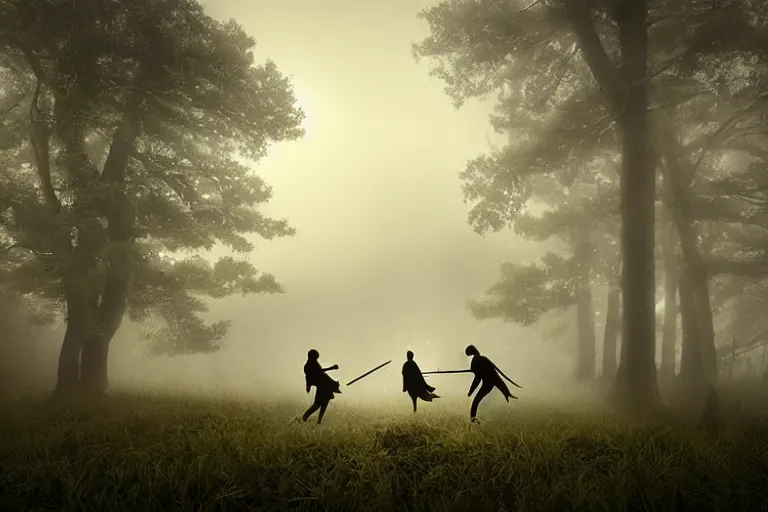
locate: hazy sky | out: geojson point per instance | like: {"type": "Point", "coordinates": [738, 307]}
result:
{"type": "Point", "coordinates": [383, 258]}
{"type": "Point", "coordinates": [374, 183]}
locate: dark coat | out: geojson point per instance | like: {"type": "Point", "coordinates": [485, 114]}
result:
{"type": "Point", "coordinates": [483, 368]}
{"type": "Point", "coordinates": [325, 385]}
{"type": "Point", "coordinates": [414, 383]}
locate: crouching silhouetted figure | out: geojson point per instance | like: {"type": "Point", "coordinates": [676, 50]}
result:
{"type": "Point", "coordinates": [326, 387]}
{"type": "Point", "coordinates": [414, 383]}
{"type": "Point", "coordinates": [486, 373]}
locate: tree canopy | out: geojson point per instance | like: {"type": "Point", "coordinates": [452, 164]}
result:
{"type": "Point", "coordinates": [706, 82]}
{"type": "Point", "coordinates": [127, 132]}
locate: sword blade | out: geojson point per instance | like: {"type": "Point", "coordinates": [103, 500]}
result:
{"type": "Point", "coordinates": [438, 372]}
{"type": "Point", "coordinates": [382, 365]}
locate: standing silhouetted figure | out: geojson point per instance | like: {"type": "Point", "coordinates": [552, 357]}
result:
{"type": "Point", "coordinates": [325, 386]}
{"type": "Point", "coordinates": [414, 383]}
{"type": "Point", "coordinates": [487, 373]}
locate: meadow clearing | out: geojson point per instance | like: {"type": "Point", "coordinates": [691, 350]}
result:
{"type": "Point", "coordinates": [164, 452]}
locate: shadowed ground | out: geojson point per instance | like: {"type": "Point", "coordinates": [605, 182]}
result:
{"type": "Point", "coordinates": [173, 453]}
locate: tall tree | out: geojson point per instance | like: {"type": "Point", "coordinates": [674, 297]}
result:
{"type": "Point", "coordinates": [567, 278]}
{"type": "Point", "coordinates": [525, 53]}
{"type": "Point", "coordinates": [139, 115]}
{"type": "Point", "coordinates": [522, 35]}
{"type": "Point", "coordinates": [626, 91]}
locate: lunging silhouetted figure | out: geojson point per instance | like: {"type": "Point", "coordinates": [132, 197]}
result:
{"type": "Point", "coordinates": [414, 383]}
{"type": "Point", "coordinates": [325, 386]}
{"type": "Point", "coordinates": [487, 373]}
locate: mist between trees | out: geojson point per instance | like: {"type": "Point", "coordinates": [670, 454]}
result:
{"type": "Point", "coordinates": [637, 144]}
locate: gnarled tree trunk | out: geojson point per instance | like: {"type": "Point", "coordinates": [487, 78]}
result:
{"type": "Point", "coordinates": [96, 301]}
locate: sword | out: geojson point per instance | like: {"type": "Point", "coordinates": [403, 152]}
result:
{"type": "Point", "coordinates": [382, 365]}
{"type": "Point", "coordinates": [510, 380]}
{"type": "Point", "coordinates": [446, 371]}
{"type": "Point", "coordinates": [470, 371]}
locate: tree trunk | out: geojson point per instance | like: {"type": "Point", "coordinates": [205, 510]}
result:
{"type": "Point", "coordinates": [75, 291]}
{"type": "Point", "coordinates": [700, 284]}
{"type": "Point", "coordinates": [68, 374]}
{"type": "Point", "coordinates": [93, 318]}
{"type": "Point", "coordinates": [671, 278]}
{"type": "Point", "coordinates": [627, 96]}
{"type": "Point", "coordinates": [585, 315]}
{"type": "Point", "coordinates": [636, 380]}
{"type": "Point", "coordinates": [99, 305]}
{"type": "Point", "coordinates": [585, 312]}
{"type": "Point", "coordinates": [610, 335]}
{"type": "Point", "coordinates": [83, 359]}
{"type": "Point", "coordinates": [678, 175]}
{"type": "Point", "coordinates": [691, 370]}
{"type": "Point", "coordinates": [93, 369]}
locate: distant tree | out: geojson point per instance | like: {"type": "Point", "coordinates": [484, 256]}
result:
{"type": "Point", "coordinates": [715, 86]}
{"type": "Point", "coordinates": [537, 44]}
{"type": "Point", "coordinates": [586, 230]}
{"type": "Point", "coordinates": [561, 156]}
{"type": "Point", "coordinates": [525, 54]}
{"type": "Point", "coordinates": [133, 123]}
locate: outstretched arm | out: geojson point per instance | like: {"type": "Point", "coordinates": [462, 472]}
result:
{"type": "Point", "coordinates": [334, 367]}
{"type": "Point", "coordinates": [475, 383]}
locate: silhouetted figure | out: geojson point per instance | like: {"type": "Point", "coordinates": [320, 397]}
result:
{"type": "Point", "coordinates": [414, 383]}
{"type": "Point", "coordinates": [325, 386]}
{"type": "Point", "coordinates": [487, 373]}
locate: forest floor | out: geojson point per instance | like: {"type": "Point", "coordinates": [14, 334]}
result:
{"type": "Point", "coordinates": [171, 453]}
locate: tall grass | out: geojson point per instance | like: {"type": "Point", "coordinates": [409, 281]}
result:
{"type": "Point", "coordinates": [172, 453]}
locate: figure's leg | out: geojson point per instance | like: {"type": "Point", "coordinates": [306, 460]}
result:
{"type": "Point", "coordinates": [312, 408]}
{"type": "Point", "coordinates": [323, 408]}
{"type": "Point", "coordinates": [485, 388]}
{"type": "Point", "coordinates": [414, 398]}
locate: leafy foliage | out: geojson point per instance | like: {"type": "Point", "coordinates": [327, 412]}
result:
{"type": "Point", "coordinates": [527, 56]}
{"type": "Point", "coordinates": [708, 78]}
{"type": "Point", "coordinates": [525, 292]}
{"type": "Point", "coordinates": [129, 149]}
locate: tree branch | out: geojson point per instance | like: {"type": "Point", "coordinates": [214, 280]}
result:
{"type": "Point", "coordinates": [39, 138]}
{"type": "Point", "coordinates": [594, 52]}
{"type": "Point", "coordinates": [120, 213]}
{"type": "Point", "coordinates": [689, 16]}
{"type": "Point", "coordinates": [756, 267]}
{"type": "Point", "coordinates": [706, 143]}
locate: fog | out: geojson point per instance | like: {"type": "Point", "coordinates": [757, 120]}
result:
{"type": "Point", "coordinates": [384, 260]}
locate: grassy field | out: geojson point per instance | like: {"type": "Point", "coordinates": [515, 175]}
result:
{"type": "Point", "coordinates": [164, 453]}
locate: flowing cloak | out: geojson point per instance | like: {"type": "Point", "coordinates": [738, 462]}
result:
{"type": "Point", "coordinates": [325, 385]}
{"type": "Point", "coordinates": [483, 367]}
{"type": "Point", "coordinates": [414, 383]}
